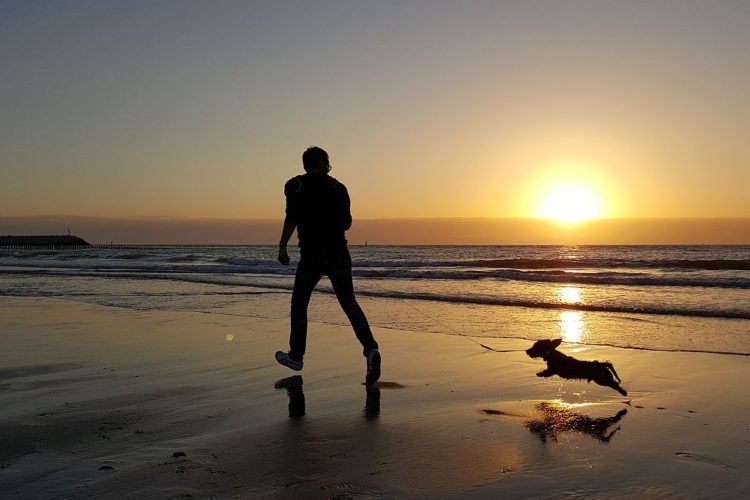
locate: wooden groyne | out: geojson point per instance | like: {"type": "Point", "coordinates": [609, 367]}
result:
{"type": "Point", "coordinates": [62, 242]}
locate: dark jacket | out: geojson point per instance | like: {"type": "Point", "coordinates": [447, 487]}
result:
{"type": "Point", "coordinates": [319, 206]}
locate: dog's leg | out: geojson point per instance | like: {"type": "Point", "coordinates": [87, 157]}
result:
{"type": "Point", "coordinates": [616, 386]}
{"type": "Point", "coordinates": [545, 373]}
{"type": "Point", "coordinates": [604, 378]}
{"type": "Point", "coordinates": [612, 369]}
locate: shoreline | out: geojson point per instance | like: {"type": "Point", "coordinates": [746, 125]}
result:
{"type": "Point", "coordinates": [98, 401]}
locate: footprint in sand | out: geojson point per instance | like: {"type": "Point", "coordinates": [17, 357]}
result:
{"type": "Point", "coordinates": [701, 458]}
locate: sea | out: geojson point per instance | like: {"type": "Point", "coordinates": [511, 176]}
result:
{"type": "Point", "coordinates": [670, 298]}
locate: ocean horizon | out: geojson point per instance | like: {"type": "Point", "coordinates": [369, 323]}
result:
{"type": "Point", "coordinates": [522, 231]}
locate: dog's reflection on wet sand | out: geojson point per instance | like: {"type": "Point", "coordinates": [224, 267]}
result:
{"type": "Point", "coordinates": [557, 419]}
{"type": "Point", "coordinates": [553, 418]}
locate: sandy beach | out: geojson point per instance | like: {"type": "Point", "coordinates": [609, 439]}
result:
{"type": "Point", "coordinates": [101, 402]}
{"type": "Point", "coordinates": [187, 185]}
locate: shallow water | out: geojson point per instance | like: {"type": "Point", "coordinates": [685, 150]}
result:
{"type": "Point", "coordinates": [694, 298]}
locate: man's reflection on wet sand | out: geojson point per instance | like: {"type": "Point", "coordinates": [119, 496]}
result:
{"type": "Point", "coordinates": [372, 403]}
{"type": "Point", "coordinates": [293, 386]}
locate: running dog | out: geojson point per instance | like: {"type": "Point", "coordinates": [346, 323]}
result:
{"type": "Point", "coordinates": [601, 372]}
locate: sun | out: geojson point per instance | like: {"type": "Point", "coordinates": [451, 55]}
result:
{"type": "Point", "coordinates": [570, 202]}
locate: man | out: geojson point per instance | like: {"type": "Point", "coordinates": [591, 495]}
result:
{"type": "Point", "coordinates": [317, 205]}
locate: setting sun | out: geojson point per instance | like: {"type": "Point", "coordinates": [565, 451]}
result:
{"type": "Point", "coordinates": [570, 202]}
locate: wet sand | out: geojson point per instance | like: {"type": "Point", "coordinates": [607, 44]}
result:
{"type": "Point", "coordinates": [101, 402]}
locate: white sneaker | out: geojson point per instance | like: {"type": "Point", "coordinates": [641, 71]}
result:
{"type": "Point", "coordinates": [283, 359]}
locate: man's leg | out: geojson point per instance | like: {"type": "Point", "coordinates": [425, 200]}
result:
{"type": "Point", "coordinates": [307, 276]}
{"type": "Point", "coordinates": [339, 272]}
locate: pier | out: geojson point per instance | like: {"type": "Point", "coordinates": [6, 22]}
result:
{"type": "Point", "coordinates": [57, 242]}
{"type": "Point", "coordinates": [62, 242]}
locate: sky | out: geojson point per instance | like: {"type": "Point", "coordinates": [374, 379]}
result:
{"type": "Point", "coordinates": [429, 109]}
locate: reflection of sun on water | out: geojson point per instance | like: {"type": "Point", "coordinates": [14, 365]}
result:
{"type": "Point", "coordinates": [570, 295]}
{"type": "Point", "coordinates": [571, 322]}
{"type": "Point", "coordinates": [571, 326]}
{"type": "Point", "coordinates": [559, 403]}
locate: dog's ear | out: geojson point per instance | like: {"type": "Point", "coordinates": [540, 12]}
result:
{"type": "Point", "coordinates": [556, 343]}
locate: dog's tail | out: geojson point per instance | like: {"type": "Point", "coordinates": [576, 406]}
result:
{"type": "Point", "coordinates": [612, 369]}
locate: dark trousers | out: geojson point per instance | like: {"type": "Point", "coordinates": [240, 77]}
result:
{"type": "Point", "coordinates": [337, 265]}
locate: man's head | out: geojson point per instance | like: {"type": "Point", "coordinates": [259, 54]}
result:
{"type": "Point", "coordinates": [315, 159]}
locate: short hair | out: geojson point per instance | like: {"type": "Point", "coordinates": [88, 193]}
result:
{"type": "Point", "coordinates": [313, 157]}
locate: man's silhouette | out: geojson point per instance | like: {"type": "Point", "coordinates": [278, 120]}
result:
{"type": "Point", "coordinates": [317, 205]}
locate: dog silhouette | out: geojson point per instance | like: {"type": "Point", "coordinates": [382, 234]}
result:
{"type": "Point", "coordinates": [601, 372]}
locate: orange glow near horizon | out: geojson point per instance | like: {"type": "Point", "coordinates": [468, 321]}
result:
{"type": "Point", "coordinates": [570, 202]}
{"type": "Point", "coordinates": [570, 188]}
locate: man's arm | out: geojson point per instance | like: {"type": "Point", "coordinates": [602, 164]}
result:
{"type": "Point", "coordinates": [286, 232]}
{"type": "Point", "coordinates": [346, 211]}
{"type": "Point", "coordinates": [292, 187]}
